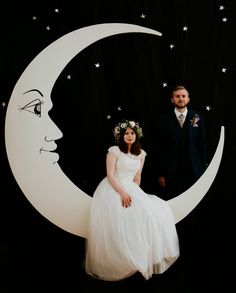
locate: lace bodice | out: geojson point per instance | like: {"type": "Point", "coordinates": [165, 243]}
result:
{"type": "Point", "coordinates": [127, 164]}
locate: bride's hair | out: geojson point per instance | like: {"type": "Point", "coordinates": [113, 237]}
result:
{"type": "Point", "coordinates": [135, 148]}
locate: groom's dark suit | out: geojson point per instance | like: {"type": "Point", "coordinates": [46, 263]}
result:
{"type": "Point", "coordinates": [182, 151]}
{"type": "Point", "coordinates": [181, 160]}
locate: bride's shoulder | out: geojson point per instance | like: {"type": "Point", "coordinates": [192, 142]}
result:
{"type": "Point", "coordinates": [143, 153]}
{"type": "Point", "coordinates": [114, 149]}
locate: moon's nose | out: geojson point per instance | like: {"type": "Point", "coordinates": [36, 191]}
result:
{"type": "Point", "coordinates": [54, 133]}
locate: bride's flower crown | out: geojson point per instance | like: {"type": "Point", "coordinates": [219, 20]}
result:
{"type": "Point", "coordinates": [123, 125]}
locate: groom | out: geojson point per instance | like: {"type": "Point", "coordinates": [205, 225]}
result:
{"type": "Point", "coordinates": [181, 161]}
{"type": "Point", "coordinates": [182, 146]}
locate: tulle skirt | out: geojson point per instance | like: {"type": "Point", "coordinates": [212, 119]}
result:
{"type": "Point", "coordinates": [122, 241]}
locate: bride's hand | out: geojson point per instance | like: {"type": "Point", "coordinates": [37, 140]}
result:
{"type": "Point", "coordinates": [125, 200]}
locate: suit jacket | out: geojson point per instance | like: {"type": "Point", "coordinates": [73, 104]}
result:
{"type": "Point", "coordinates": [170, 138]}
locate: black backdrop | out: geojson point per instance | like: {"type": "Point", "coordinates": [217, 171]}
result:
{"type": "Point", "coordinates": [133, 80]}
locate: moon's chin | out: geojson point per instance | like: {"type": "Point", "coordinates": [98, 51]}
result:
{"type": "Point", "coordinates": [49, 157]}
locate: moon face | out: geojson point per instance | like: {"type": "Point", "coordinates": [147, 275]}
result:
{"type": "Point", "coordinates": [31, 136]}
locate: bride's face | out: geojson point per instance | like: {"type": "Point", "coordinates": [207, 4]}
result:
{"type": "Point", "coordinates": [129, 136]}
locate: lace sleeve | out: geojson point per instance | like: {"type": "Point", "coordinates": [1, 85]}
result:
{"type": "Point", "coordinates": [143, 154]}
{"type": "Point", "coordinates": [115, 150]}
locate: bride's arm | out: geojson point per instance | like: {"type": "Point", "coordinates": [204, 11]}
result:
{"type": "Point", "coordinates": [110, 166]}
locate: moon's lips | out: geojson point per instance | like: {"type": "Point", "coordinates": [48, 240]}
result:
{"type": "Point", "coordinates": [42, 181]}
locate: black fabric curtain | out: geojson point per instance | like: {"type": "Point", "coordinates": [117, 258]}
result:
{"type": "Point", "coordinates": [122, 76]}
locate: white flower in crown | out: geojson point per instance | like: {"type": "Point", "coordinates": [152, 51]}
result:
{"type": "Point", "coordinates": [117, 130]}
{"type": "Point", "coordinates": [123, 125]}
{"type": "Point", "coordinates": [132, 124]}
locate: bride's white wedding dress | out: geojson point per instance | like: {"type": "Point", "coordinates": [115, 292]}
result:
{"type": "Point", "coordinates": [122, 241]}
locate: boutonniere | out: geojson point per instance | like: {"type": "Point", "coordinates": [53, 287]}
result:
{"type": "Point", "coordinates": [194, 120]}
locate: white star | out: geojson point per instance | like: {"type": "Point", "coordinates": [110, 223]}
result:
{"type": "Point", "coordinates": [224, 19]}
{"type": "Point", "coordinates": [172, 46]}
{"type": "Point", "coordinates": [221, 7]}
{"type": "Point", "coordinates": [68, 76]}
{"type": "Point", "coordinates": [224, 70]}
{"type": "Point", "coordinates": [48, 28]}
{"type": "Point", "coordinates": [56, 10]}
{"type": "Point", "coordinates": [185, 28]}
{"type": "Point", "coordinates": [3, 104]}
{"type": "Point", "coordinates": [97, 65]}
{"type": "Point", "coordinates": [208, 108]}
{"type": "Point", "coordinates": [34, 17]}
{"type": "Point", "coordinates": [119, 108]}
{"type": "Point", "coordinates": [164, 84]}
{"type": "Point", "coordinates": [108, 117]}
{"type": "Point", "coordinates": [143, 15]}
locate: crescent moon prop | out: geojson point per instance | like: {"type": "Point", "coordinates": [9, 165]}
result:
{"type": "Point", "coordinates": [30, 138]}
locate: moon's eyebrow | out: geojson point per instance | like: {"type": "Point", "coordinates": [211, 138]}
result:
{"type": "Point", "coordinates": [33, 91]}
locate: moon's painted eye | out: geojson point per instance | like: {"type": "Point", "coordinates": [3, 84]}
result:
{"type": "Point", "coordinates": [34, 107]}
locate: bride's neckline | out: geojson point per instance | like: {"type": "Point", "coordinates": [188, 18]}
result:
{"type": "Point", "coordinates": [129, 155]}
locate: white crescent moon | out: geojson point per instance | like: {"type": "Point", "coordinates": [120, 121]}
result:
{"type": "Point", "coordinates": [31, 135]}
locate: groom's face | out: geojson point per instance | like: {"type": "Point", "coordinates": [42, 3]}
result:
{"type": "Point", "coordinates": [180, 98]}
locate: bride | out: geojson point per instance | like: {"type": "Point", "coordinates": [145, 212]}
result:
{"type": "Point", "coordinates": [129, 230]}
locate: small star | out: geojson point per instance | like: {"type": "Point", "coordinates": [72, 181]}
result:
{"type": "Point", "coordinates": [143, 15]}
{"type": "Point", "coordinates": [172, 46]}
{"type": "Point", "coordinates": [56, 10]}
{"type": "Point", "coordinates": [119, 108]}
{"type": "Point", "coordinates": [164, 84]}
{"type": "Point", "coordinates": [185, 28]}
{"type": "Point", "coordinates": [97, 65]}
{"type": "Point", "coordinates": [108, 117]}
{"type": "Point", "coordinates": [3, 104]}
{"type": "Point", "coordinates": [221, 7]}
{"type": "Point", "coordinates": [34, 17]}
{"type": "Point", "coordinates": [224, 19]}
{"type": "Point", "coordinates": [68, 76]}
{"type": "Point", "coordinates": [208, 108]}
{"type": "Point", "coordinates": [48, 28]}
{"type": "Point", "coordinates": [224, 70]}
